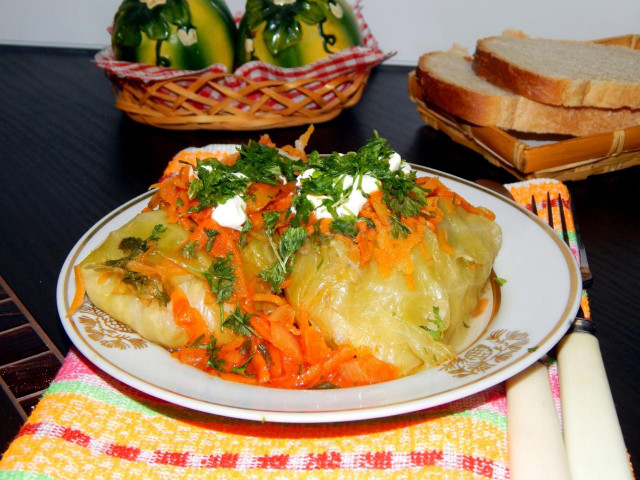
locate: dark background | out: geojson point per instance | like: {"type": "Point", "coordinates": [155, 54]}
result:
{"type": "Point", "coordinates": [69, 157]}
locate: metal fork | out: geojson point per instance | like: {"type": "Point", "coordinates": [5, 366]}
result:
{"type": "Point", "coordinates": [580, 323]}
{"type": "Point", "coordinates": [590, 423]}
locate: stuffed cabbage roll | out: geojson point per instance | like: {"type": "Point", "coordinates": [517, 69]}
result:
{"type": "Point", "coordinates": [141, 272]}
{"type": "Point", "coordinates": [407, 325]}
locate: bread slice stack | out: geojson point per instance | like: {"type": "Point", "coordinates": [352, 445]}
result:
{"type": "Point", "coordinates": [536, 85]}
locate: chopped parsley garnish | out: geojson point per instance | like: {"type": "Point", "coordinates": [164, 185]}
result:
{"type": "Point", "coordinates": [435, 321]}
{"type": "Point", "coordinates": [211, 238]}
{"type": "Point", "coordinates": [221, 278]}
{"type": "Point", "coordinates": [246, 228]}
{"type": "Point", "coordinates": [240, 370]}
{"type": "Point", "coordinates": [240, 323]}
{"type": "Point", "coordinates": [215, 183]}
{"type": "Point", "coordinates": [532, 349]}
{"type": "Point", "coordinates": [403, 196]}
{"type": "Point", "coordinates": [134, 246]}
{"type": "Point", "coordinates": [325, 386]}
{"type": "Point", "coordinates": [197, 343]}
{"type": "Point", "coordinates": [399, 190]}
{"type": "Point", "coordinates": [500, 281]}
{"type": "Point", "coordinates": [190, 249]}
{"type": "Point", "coordinates": [290, 241]}
{"type": "Point", "coordinates": [398, 229]}
{"type": "Point", "coordinates": [261, 163]}
{"type": "Point", "coordinates": [344, 226]}
{"type": "Point", "coordinates": [212, 350]}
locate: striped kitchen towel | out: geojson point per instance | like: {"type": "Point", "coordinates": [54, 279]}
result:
{"type": "Point", "coordinates": [90, 426]}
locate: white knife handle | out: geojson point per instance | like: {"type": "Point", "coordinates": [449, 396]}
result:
{"type": "Point", "coordinates": [536, 448]}
{"type": "Point", "coordinates": [592, 434]}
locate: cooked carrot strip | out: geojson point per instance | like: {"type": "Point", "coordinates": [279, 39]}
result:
{"type": "Point", "coordinates": [314, 346]}
{"type": "Point", "coordinates": [78, 297]}
{"type": "Point", "coordinates": [259, 364]}
{"type": "Point", "coordinates": [302, 142]}
{"type": "Point", "coordinates": [259, 195]}
{"type": "Point", "coordinates": [411, 283]}
{"type": "Point", "coordinates": [184, 315]}
{"type": "Point", "coordinates": [196, 357]}
{"type": "Point", "coordinates": [235, 377]}
{"type": "Point", "coordinates": [265, 139]}
{"type": "Point", "coordinates": [269, 297]}
{"type": "Point", "coordinates": [482, 305]}
{"type": "Point", "coordinates": [303, 317]}
{"type": "Point", "coordinates": [442, 239]}
{"type": "Point", "coordinates": [103, 278]}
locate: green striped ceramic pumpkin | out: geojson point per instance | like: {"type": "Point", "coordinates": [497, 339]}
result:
{"type": "Point", "coordinates": [181, 34]}
{"type": "Point", "coordinates": [290, 33]}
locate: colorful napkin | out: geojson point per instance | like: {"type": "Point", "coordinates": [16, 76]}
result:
{"type": "Point", "coordinates": [90, 426]}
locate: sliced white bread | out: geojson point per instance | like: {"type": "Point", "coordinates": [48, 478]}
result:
{"type": "Point", "coordinates": [561, 72]}
{"type": "Point", "coordinates": [448, 81]}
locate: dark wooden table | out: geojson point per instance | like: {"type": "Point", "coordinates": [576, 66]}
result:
{"type": "Point", "coordinates": [69, 157]}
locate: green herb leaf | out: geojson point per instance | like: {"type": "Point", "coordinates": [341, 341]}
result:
{"type": "Point", "coordinates": [325, 386]}
{"type": "Point", "coordinates": [344, 226]}
{"type": "Point", "coordinates": [274, 276]}
{"type": "Point", "coordinates": [241, 369]}
{"type": "Point", "coordinates": [436, 321]}
{"type": "Point", "coordinates": [197, 343]}
{"type": "Point", "coordinates": [211, 238]}
{"type": "Point", "coordinates": [398, 228]}
{"type": "Point", "coordinates": [221, 278]}
{"type": "Point", "coordinates": [500, 281]}
{"type": "Point", "coordinates": [190, 250]}
{"type": "Point", "coordinates": [214, 361]}
{"type": "Point", "coordinates": [290, 241]}
{"type": "Point", "coordinates": [240, 323]}
{"type": "Point", "coordinates": [215, 183]}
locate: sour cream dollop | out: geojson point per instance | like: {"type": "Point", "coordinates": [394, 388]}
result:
{"type": "Point", "coordinates": [231, 213]}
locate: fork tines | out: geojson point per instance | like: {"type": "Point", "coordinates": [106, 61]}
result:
{"type": "Point", "coordinates": [563, 223]}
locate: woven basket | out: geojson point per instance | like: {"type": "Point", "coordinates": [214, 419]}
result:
{"type": "Point", "coordinates": [256, 96]}
{"type": "Point", "coordinates": [562, 158]}
{"type": "Point", "coordinates": [182, 104]}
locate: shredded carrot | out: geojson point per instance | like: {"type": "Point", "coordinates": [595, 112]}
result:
{"type": "Point", "coordinates": [268, 297]}
{"type": "Point", "coordinates": [185, 315]}
{"type": "Point", "coordinates": [266, 140]}
{"type": "Point", "coordinates": [259, 365]}
{"type": "Point", "coordinates": [304, 138]}
{"type": "Point", "coordinates": [482, 305]}
{"type": "Point", "coordinates": [103, 278]}
{"type": "Point", "coordinates": [411, 283]}
{"type": "Point", "coordinates": [442, 239]}
{"type": "Point", "coordinates": [78, 297]}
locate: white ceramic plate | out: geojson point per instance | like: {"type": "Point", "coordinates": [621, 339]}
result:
{"type": "Point", "coordinates": [539, 301]}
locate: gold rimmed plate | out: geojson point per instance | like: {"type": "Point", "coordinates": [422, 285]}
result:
{"type": "Point", "coordinates": [537, 305]}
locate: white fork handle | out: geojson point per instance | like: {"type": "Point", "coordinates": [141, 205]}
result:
{"type": "Point", "coordinates": [592, 434]}
{"type": "Point", "coordinates": [536, 449]}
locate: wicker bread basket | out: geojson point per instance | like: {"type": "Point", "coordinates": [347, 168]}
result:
{"type": "Point", "coordinates": [563, 158]}
{"type": "Point", "coordinates": [181, 104]}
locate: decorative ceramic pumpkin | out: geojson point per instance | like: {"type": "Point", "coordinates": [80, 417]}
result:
{"type": "Point", "coordinates": [290, 33]}
{"type": "Point", "coordinates": [181, 34]}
